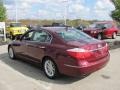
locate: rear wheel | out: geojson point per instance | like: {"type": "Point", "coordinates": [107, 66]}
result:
{"type": "Point", "coordinates": [114, 35]}
{"type": "Point", "coordinates": [50, 69]}
{"type": "Point", "coordinates": [11, 53]}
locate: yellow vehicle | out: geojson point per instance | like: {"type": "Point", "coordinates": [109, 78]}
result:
{"type": "Point", "coordinates": [15, 29]}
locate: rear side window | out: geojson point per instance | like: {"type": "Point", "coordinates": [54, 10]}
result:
{"type": "Point", "coordinates": [73, 35]}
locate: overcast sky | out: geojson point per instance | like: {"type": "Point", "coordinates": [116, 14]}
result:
{"type": "Point", "coordinates": [54, 9]}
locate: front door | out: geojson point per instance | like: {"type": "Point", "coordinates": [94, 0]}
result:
{"type": "Point", "coordinates": [37, 47]}
{"type": "Point", "coordinates": [21, 46]}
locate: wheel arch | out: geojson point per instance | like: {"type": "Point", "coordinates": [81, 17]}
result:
{"type": "Point", "coordinates": [49, 57]}
{"type": "Point", "coordinates": [46, 57]}
{"type": "Point", "coordinates": [9, 46]}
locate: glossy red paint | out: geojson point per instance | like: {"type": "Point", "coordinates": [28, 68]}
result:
{"type": "Point", "coordinates": [106, 32]}
{"type": "Point", "coordinates": [74, 58]}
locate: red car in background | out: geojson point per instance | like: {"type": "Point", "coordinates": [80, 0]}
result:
{"type": "Point", "coordinates": [100, 30]}
{"type": "Point", "coordinates": [61, 50]}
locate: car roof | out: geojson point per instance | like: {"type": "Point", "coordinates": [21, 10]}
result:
{"type": "Point", "coordinates": [52, 29]}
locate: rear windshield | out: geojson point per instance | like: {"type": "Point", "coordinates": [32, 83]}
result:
{"type": "Point", "coordinates": [73, 35]}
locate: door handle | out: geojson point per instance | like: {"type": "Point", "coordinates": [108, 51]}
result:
{"type": "Point", "coordinates": [31, 45]}
{"type": "Point", "coordinates": [41, 47]}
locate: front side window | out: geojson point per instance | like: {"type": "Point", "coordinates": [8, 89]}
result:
{"type": "Point", "coordinates": [41, 36]}
{"type": "Point", "coordinates": [28, 36]}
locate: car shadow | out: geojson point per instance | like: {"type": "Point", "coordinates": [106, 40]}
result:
{"type": "Point", "coordinates": [35, 72]}
{"type": "Point", "coordinates": [118, 34]}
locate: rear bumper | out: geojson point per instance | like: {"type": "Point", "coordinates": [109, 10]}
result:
{"type": "Point", "coordinates": [86, 68]}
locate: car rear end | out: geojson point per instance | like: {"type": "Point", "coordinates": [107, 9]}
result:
{"type": "Point", "coordinates": [83, 56]}
{"type": "Point", "coordinates": [90, 58]}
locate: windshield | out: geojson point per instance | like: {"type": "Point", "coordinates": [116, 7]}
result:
{"type": "Point", "coordinates": [73, 35]}
{"type": "Point", "coordinates": [15, 24]}
{"type": "Point", "coordinates": [101, 25]}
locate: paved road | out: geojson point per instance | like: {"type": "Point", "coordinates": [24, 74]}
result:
{"type": "Point", "coordinates": [18, 75]}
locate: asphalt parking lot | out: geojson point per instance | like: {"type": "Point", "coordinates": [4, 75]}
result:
{"type": "Point", "coordinates": [113, 43]}
{"type": "Point", "coordinates": [18, 75]}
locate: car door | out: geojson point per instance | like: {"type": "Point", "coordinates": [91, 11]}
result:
{"type": "Point", "coordinates": [21, 45]}
{"type": "Point", "coordinates": [37, 47]}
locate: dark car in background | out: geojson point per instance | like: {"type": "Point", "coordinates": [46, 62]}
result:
{"type": "Point", "coordinates": [81, 27]}
{"type": "Point", "coordinates": [61, 50]}
{"type": "Point", "coordinates": [100, 30]}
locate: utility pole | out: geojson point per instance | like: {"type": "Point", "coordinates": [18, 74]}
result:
{"type": "Point", "coordinates": [66, 11]}
{"type": "Point", "coordinates": [16, 11]}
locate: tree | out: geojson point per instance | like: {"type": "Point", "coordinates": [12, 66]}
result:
{"type": "Point", "coordinates": [2, 11]}
{"type": "Point", "coordinates": [116, 13]}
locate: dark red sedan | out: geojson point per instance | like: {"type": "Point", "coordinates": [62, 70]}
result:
{"type": "Point", "coordinates": [100, 30]}
{"type": "Point", "coordinates": [61, 50]}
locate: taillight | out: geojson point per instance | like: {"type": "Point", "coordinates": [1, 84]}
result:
{"type": "Point", "coordinates": [89, 52]}
{"type": "Point", "coordinates": [79, 53]}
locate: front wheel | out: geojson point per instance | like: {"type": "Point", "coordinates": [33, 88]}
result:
{"type": "Point", "coordinates": [50, 69]}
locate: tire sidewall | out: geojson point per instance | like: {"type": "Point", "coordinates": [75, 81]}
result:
{"type": "Point", "coordinates": [12, 51]}
{"type": "Point", "coordinates": [56, 70]}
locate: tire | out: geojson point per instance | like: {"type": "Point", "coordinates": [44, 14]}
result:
{"type": "Point", "coordinates": [12, 37]}
{"type": "Point", "coordinates": [114, 35]}
{"type": "Point", "coordinates": [50, 69]}
{"type": "Point", "coordinates": [11, 53]}
{"type": "Point", "coordinates": [99, 37]}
